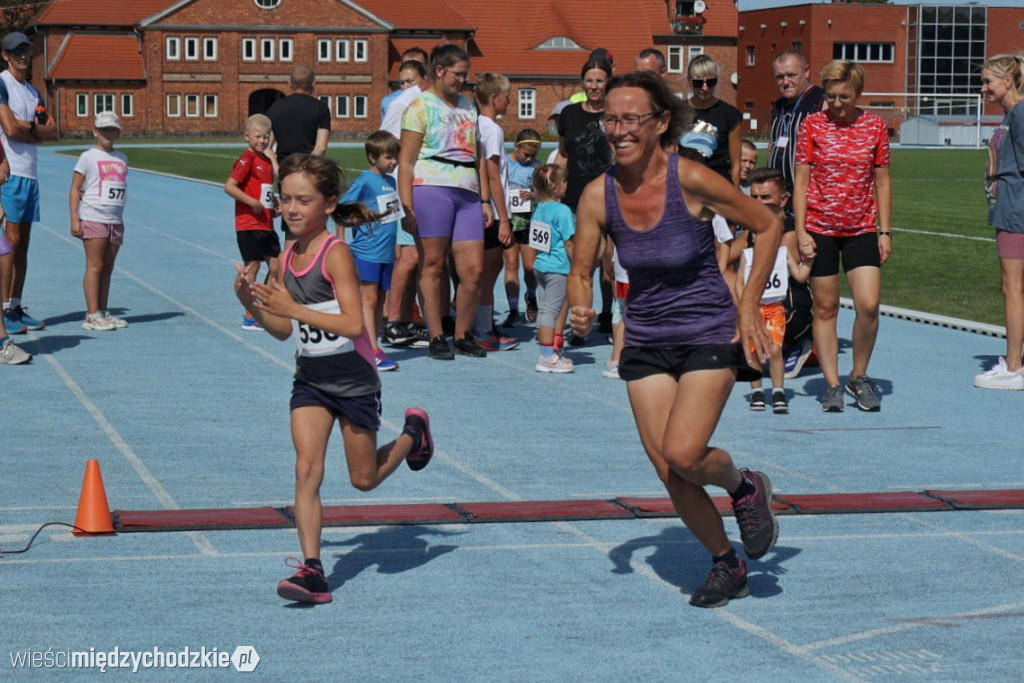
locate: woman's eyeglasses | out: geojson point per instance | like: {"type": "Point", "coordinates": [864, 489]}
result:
{"type": "Point", "coordinates": [699, 83]}
{"type": "Point", "coordinates": [629, 123]}
{"type": "Point", "coordinates": [841, 98]}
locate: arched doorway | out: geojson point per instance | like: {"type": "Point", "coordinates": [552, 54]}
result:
{"type": "Point", "coordinates": [260, 100]}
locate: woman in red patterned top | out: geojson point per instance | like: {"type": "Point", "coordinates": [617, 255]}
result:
{"type": "Point", "coordinates": [842, 202]}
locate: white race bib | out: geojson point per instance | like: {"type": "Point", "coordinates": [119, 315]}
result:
{"type": "Point", "coordinates": [518, 204]}
{"type": "Point", "coordinates": [112, 192]}
{"type": "Point", "coordinates": [782, 142]}
{"type": "Point", "coordinates": [312, 341]}
{"type": "Point", "coordinates": [389, 201]}
{"type": "Point", "coordinates": [778, 280]}
{"type": "Point", "coordinates": [540, 236]}
{"type": "Point", "coordinates": [267, 198]}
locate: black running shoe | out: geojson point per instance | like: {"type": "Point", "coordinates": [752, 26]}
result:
{"type": "Point", "coordinates": [576, 340]}
{"type": "Point", "coordinates": [308, 585]}
{"type": "Point", "coordinates": [723, 584]}
{"type": "Point", "coordinates": [757, 400]}
{"type": "Point", "coordinates": [758, 528]}
{"type": "Point", "coordinates": [421, 337]}
{"type": "Point", "coordinates": [417, 420]}
{"type": "Point", "coordinates": [396, 334]}
{"type": "Point", "coordinates": [511, 320]}
{"type": "Point", "coordinates": [439, 349]}
{"type": "Point", "coordinates": [468, 347]}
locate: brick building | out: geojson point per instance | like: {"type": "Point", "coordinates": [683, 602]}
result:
{"type": "Point", "coordinates": [200, 67]}
{"type": "Point", "coordinates": [935, 51]}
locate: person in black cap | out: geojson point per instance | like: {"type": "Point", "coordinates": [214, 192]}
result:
{"type": "Point", "coordinates": [24, 124]}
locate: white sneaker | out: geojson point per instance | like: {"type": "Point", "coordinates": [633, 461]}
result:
{"type": "Point", "coordinates": [96, 322]}
{"type": "Point", "coordinates": [1000, 377]}
{"type": "Point", "coordinates": [116, 322]}
{"type": "Point", "coordinates": [556, 363]}
{"type": "Point", "coordinates": [13, 355]}
{"type": "Point", "coordinates": [611, 370]}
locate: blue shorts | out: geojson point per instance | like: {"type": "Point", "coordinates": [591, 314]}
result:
{"type": "Point", "coordinates": [360, 411]}
{"type": "Point", "coordinates": [21, 199]}
{"type": "Point", "coordinates": [377, 273]}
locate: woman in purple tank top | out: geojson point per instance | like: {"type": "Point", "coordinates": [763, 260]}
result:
{"type": "Point", "coordinates": [681, 357]}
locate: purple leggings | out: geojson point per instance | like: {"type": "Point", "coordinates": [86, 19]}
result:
{"type": "Point", "coordinates": [448, 212]}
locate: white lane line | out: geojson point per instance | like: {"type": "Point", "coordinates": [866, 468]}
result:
{"type": "Point", "coordinates": [198, 538]}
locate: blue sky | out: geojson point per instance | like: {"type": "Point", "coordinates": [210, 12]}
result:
{"type": "Point", "coordinates": [746, 5]}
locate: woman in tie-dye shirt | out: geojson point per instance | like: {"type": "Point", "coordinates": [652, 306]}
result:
{"type": "Point", "coordinates": [842, 202]}
{"type": "Point", "coordinates": [441, 193]}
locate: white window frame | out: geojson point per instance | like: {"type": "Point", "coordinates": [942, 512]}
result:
{"type": "Point", "coordinates": [127, 104]}
{"type": "Point", "coordinates": [267, 4]}
{"type": "Point", "coordinates": [341, 108]}
{"type": "Point", "coordinates": [210, 48]}
{"type": "Point", "coordinates": [286, 49]}
{"type": "Point", "coordinates": [266, 49]}
{"type": "Point", "coordinates": [82, 104]}
{"type": "Point", "coordinates": [173, 106]}
{"type": "Point", "coordinates": [751, 55]}
{"type": "Point", "coordinates": [192, 110]}
{"type": "Point", "coordinates": [173, 48]}
{"type": "Point", "coordinates": [526, 103]}
{"type": "Point", "coordinates": [692, 52]}
{"type": "Point", "coordinates": [191, 48]}
{"type": "Point", "coordinates": [249, 49]}
{"type": "Point", "coordinates": [360, 50]}
{"type": "Point", "coordinates": [208, 100]}
{"type": "Point", "coordinates": [674, 59]}
{"type": "Point", "coordinates": [323, 49]}
{"type": "Point", "coordinates": [341, 52]}
{"type": "Point", "coordinates": [360, 106]}
{"type": "Point", "coordinates": [103, 101]}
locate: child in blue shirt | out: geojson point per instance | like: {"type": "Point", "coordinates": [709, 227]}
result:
{"type": "Point", "coordinates": [373, 244]}
{"type": "Point", "coordinates": [551, 229]}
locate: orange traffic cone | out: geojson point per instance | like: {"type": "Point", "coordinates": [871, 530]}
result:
{"type": "Point", "coordinates": [93, 511]}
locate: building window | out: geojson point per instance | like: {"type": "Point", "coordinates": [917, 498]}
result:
{"type": "Point", "coordinates": [527, 103]}
{"type": "Point", "coordinates": [750, 55]}
{"type": "Point", "coordinates": [127, 104]}
{"type": "Point", "coordinates": [326, 99]}
{"type": "Point", "coordinates": [559, 43]}
{"type": "Point", "coordinates": [798, 46]}
{"type": "Point", "coordinates": [675, 59]}
{"type": "Point", "coordinates": [864, 52]}
{"type": "Point", "coordinates": [173, 105]}
{"type": "Point", "coordinates": [81, 104]}
{"type": "Point", "coordinates": [323, 50]}
{"type": "Point", "coordinates": [248, 49]}
{"type": "Point", "coordinates": [192, 49]}
{"type": "Point", "coordinates": [341, 106]}
{"type": "Point", "coordinates": [210, 49]}
{"type": "Point", "coordinates": [173, 47]}
{"type": "Point", "coordinates": [694, 51]}
{"type": "Point", "coordinates": [267, 4]}
{"type": "Point", "coordinates": [267, 49]}
{"type": "Point", "coordinates": [103, 102]}
{"type": "Point", "coordinates": [360, 108]}
{"type": "Point", "coordinates": [192, 106]}
{"type": "Point", "coordinates": [360, 51]}
{"type": "Point", "coordinates": [341, 50]}
{"type": "Point", "coordinates": [210, 106]}
{"type": "Point", "coordinates": [284, 49]}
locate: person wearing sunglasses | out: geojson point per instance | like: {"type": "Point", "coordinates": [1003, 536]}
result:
{"type": "Point", "coordinates": [686, 342]}
{"type": "Point", "coordinates": [725, 118]}
{"type": "Point", "coordinates": [24, 124]}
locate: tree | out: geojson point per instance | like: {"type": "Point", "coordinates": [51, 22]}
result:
{"type": "Point", "coordinates": [17, 15]}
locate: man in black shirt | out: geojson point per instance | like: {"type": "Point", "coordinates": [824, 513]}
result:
{"type": "Point", "coordinates": [300, 122]}
{"type": "Point", "coordinates": [799, 98]}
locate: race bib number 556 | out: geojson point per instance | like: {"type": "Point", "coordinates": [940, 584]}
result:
{"type": "Point", "coordinates": [312, 341]}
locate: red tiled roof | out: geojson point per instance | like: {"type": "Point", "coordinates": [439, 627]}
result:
{"type": "Point", "coordinates": [419, 14]}
{"type": "Point", "coordinates": [99, 12]}
{"type": "Point", "coordinates": [93, 57]}
{"type": "Point", "coordinates": [508, 34]}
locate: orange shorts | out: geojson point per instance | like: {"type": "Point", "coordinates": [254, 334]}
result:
{"type": "Point", "coordinates": [774, 316]}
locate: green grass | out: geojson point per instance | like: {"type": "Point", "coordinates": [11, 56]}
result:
{"type": "Point", "coordinates": [934, 191]}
